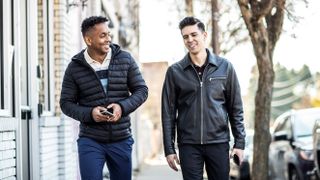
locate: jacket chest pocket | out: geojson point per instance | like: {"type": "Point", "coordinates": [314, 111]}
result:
{"type": "Point", "coordinates": [217, 81]}
{"type": "Point", "coordinates": [217, 86]}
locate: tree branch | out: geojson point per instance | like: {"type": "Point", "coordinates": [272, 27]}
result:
{"type": "Point", "coordinates": [274, 24]}
{"type": "Point", "coordinates": [262, 8]}
{"type": "Point", "coordinates": [246, 12]}
{"type": "Point", "coordinates": [225, 50]}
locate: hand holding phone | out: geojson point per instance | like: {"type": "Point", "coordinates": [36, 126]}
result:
{"type": "Point", "coordinates": [108, 112]}
{"type": "Point", "coordinates": [236, 159]}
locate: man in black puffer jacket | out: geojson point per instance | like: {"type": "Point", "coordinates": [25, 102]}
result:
{"type": "Point", "coordinates": [102, 77]}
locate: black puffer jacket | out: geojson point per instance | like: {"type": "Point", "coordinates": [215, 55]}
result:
{"type": "Point", "coordinates": [204, 107]}
{"type": "Point", "coordinates": [82, 91]}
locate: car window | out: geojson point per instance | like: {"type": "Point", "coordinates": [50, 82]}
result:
{"type": "Point", "coordinates": [285, 126]}
{"type": "Point", "coordinates": [304, 124]}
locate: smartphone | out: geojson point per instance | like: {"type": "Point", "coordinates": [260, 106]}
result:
{"type": "Point", "coordinates": [108, 111]}
{"type": "Point", "coordinates": [236, 159]}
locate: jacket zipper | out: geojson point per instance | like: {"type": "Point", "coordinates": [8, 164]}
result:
{"type": "Point", "coordinates": [201, 101]}
{"type": "Point", "coordinates": [201, 107]}
{"type": "Point", "coordinates": [88, 65]}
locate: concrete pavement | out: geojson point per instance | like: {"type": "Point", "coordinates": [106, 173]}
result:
{"type": "Point", "coordinates": [157, 170]}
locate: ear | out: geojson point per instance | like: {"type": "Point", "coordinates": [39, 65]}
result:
{"type": "Point", "coordinates": [87, 40]}
{"type": "Point", "coordinates": [205, 34]}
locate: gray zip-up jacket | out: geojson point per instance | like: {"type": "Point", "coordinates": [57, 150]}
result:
{"type": "Point", "coordinates": [201, 110]}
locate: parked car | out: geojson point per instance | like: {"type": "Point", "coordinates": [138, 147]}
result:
{"type": "Point", "coordinates": [243, 171]}
{"type": "Point", "coordinates": [316, 147]}
{"type": "Point", "coordinates": [291, 149]}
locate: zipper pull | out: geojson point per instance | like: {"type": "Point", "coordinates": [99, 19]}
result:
{"type": "Point", "coordinates": [201, 84]}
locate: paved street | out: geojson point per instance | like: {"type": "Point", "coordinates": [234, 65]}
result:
{"type": "Point", "coordinates": [157, 170]}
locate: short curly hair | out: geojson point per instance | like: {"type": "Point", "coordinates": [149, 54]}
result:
{"type": "Point", "coordinates": [89, 22]}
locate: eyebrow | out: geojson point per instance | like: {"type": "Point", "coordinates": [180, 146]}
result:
{"type": "Point", "coordinates": [193, 33]}
{"type": "Point", "coordinates": [106, 33]}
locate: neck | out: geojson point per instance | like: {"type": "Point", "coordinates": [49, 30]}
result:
{"type": "Point", "coordinates": [96, 56]}
{"type": "Point", "coordinates": [199, 58]}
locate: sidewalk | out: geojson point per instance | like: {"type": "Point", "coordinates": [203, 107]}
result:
{"type": "Point", "coordinates": [157, 170]}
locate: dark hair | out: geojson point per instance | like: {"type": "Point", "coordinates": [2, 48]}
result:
{"type": "Point", "coordinates": [189, 21]}
{"type": "Point", "coordinates": [89, 22]}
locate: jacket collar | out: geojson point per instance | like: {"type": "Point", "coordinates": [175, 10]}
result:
{"type": "Point", "coordinates": [115, 49]}
{"type": "Point", "coordinates": [89, 60]}
{"type": "Point", "coordinates": [212, 59]}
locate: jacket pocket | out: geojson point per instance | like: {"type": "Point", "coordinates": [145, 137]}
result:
{"type": "Point", "coordinates": [217, 126]}
{"type": "Point", "coordinates": [217, 81]}
{"type": "Point", "coordinates": [223, 117]}
{"type": "Point", "coordinates": [216, 87]}
{"type": "Point", "coordinates": [211, 79]}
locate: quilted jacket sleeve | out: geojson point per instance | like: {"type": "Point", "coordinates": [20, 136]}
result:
{"type": "Point", "coordinates": [69, 100]}
{"type": "Point", "coordinates": [137, 88]}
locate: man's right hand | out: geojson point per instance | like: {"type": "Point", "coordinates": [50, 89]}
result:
{"type": "Point", "coordinates": [98, 116]}
{"type": "Point", "coordinates": [172, 159]}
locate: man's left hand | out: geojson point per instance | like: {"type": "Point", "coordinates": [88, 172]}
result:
{"type": "Point", "coordinates": [239, 153]}
{"type": "Point", "coordinates": [117, 112]}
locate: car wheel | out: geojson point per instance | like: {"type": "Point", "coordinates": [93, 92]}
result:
{"type": "Point", "coordinates": [317, 161]}
{"type": "Point", "coordinates": [293, 174]}
{"type": "Point", "coordinates": [245, 171]}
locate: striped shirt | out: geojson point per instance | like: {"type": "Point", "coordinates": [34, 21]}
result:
{"type": "Point", "coordinates": [100, 68]}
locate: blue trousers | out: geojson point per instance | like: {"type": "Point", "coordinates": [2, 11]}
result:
{"type": "Point", "coordinates": [93, 155]}
{"type": "Point", "coordinates": [215, 157]}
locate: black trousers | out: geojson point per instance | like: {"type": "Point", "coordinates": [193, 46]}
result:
{"type": "Point", "coordinates": [215, 157]}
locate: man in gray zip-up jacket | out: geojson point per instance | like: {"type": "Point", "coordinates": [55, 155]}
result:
{"type": "Point", "coordinates": [200, 97]}
{"type": "Point", "coordinates": [102, 77]}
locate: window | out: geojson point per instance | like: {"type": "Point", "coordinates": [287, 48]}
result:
{"type": "Point", "coordinates": [285, 126]}
{"type": "Point", "coordinates": [46, 58]}
{"type": "Point", "coordinates": [304, 123]}
{"type": "Point", "coordinates": [24, 51]}
{"type": "Point", "coordinates": [7, 57]}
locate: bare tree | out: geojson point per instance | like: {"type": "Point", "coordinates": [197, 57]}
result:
{"type": "Point", "coordinates": [264, 20]}
{"type": "Point", "coordinates": [189, 7]}
{"type": "Point", "coordinates": [215, 27]}
{"type": "Point", "coordinates": [127, 14]}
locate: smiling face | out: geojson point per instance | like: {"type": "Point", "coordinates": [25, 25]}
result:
{"type": "Point", "coordinates": [194, 38]}
{"type": "Point", "coordinates": [98, 39]}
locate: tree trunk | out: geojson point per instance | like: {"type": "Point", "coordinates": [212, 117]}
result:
{"type": "Point", "coordinates": [189, 7]}
{"type": "Point", "coordinates": [262, 118]}
{"type": "Point", "coordinates": [264, 29]}
{"type": "Point", "coordinates": [215, 27]}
